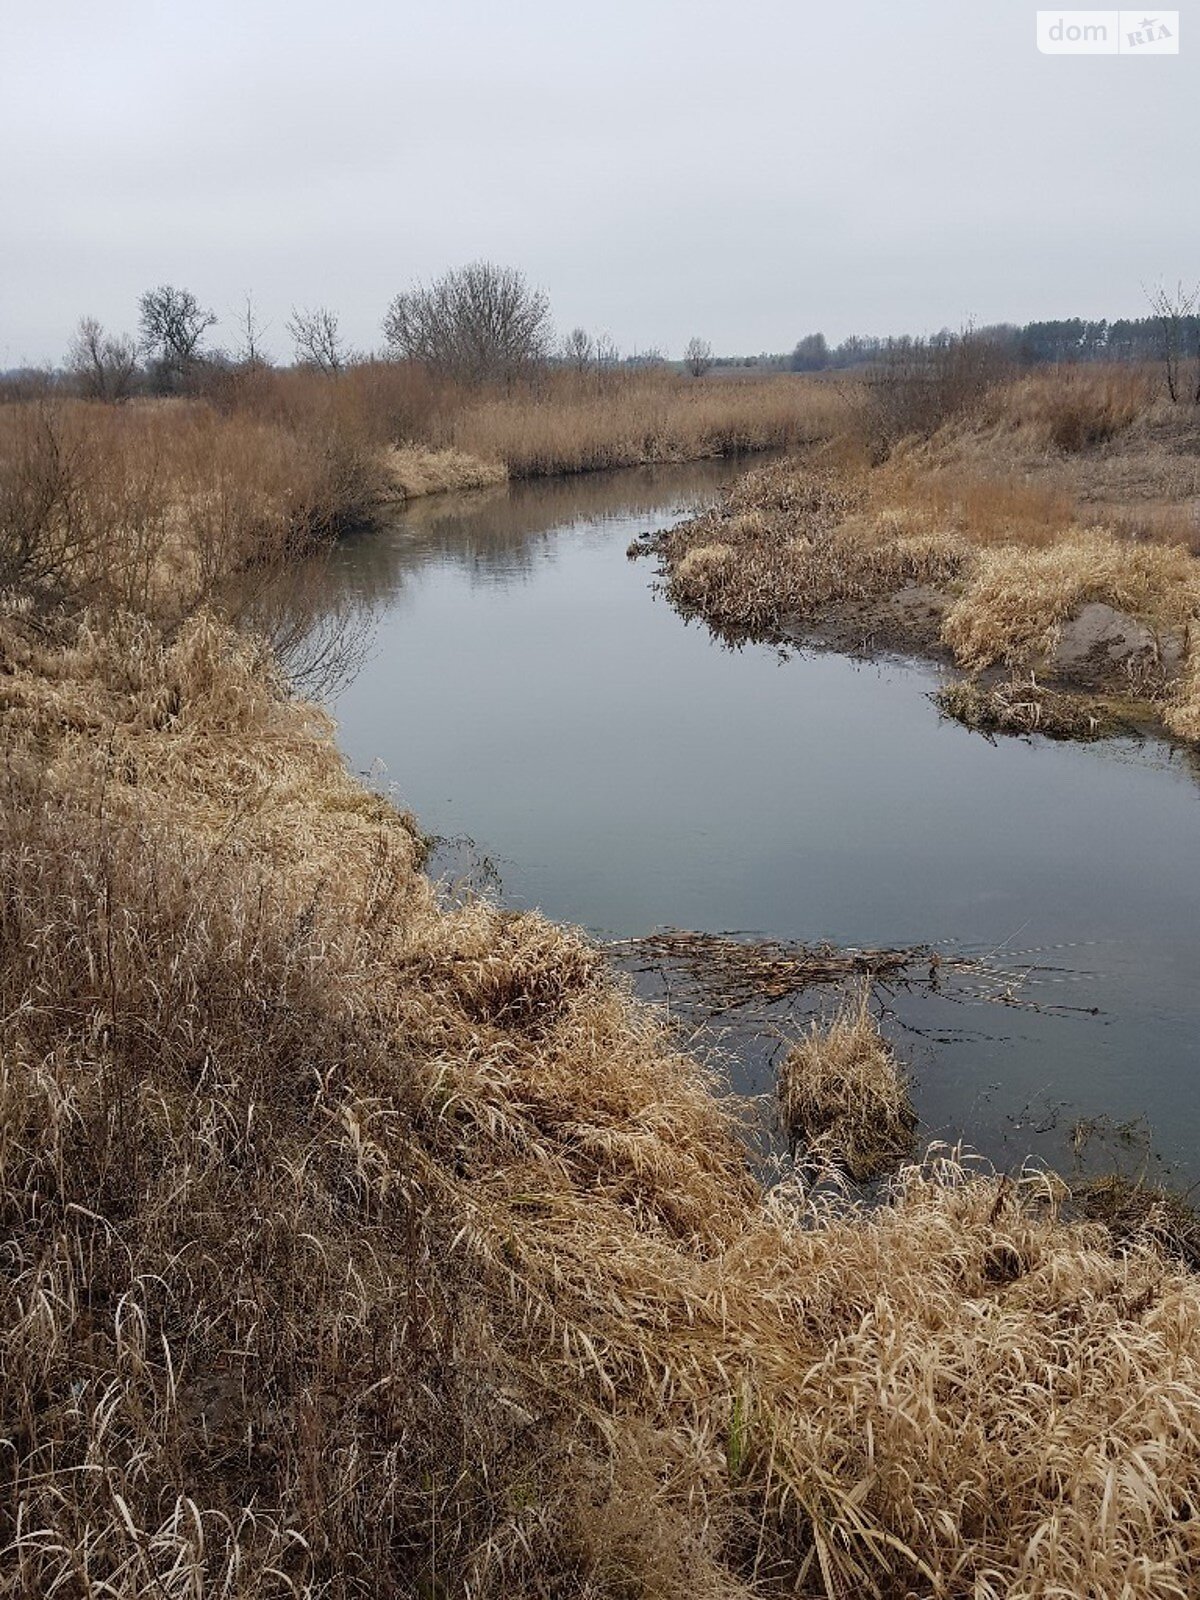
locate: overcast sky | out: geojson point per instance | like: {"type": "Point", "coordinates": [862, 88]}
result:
{"type": "Point", "coordinates": [663, 168]}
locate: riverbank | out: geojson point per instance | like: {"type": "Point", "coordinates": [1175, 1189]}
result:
{"type": "Point", "coordinates": [358, 1245]}
{"type": "Point", "coordinates": [1071, 616]}
{"type": "Point", "coordinates": [160, 505]}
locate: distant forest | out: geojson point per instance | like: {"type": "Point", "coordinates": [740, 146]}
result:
{"type": "Point", "coordinates": [1034, 344]}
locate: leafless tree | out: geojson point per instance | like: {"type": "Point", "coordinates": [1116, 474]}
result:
{"type": "Point", "coordinates": [698, 357]}
{"type": "Point", "coordinates": [607, 353]}
{"type": "Point", "coordinates": [317, 339]}
{"type": "Point", "coordinates": [250, 352]}
{"type": "Point", "coordinates": [104, 365]}
{"type": "Point", "coordinates": [1174, 310]}
{"type": "Point", "coordinates": [579, 349]}
{"type": "Point", "coordinates": [481, 321]}
{"type": "Point", "coordinates": [173, 323]}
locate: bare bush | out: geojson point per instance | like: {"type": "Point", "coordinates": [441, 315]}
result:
{"type": "Point", "coordinates": [921, 384]}
{"type": "Point", "coordinates": [1174, 310]}
{"type": "Point", "coordinates": [43, 541]}
{"type": "Point", "coordinates": [479, 322]}
{"type": "Point", "coordinates": [579, 349]}
{"type": "Point", "coordinates": [159, 508]}
{"type": "Point", "coordinates": [698, 357]}
{"type": "Point", "coordinates": [104, 365]}
{"type": "Point", "coordinates": [250, 353]}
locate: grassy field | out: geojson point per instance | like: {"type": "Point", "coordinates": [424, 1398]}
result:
{"type": "Point", "coordinates": [1047, 530]}
{"type": "Point", "coordinates": [357, 1246]}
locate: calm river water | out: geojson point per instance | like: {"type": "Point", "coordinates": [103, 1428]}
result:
{"type": "Point", "coordinates": [523, 684]}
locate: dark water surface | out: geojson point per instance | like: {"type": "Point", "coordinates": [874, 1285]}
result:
{"type": "Point", "coordinates": [523, 684]}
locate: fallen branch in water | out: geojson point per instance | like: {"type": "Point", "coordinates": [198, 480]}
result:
{"type": "Point", "coordinates": [714, 974]}
{"type": "Point", "coordinates": [724, 973]}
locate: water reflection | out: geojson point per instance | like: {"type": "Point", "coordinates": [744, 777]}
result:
{"type": "Point", "coordinates": [498, 535]}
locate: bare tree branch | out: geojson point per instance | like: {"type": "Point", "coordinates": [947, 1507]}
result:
{"type": "Point", "coordinates": [250, 351]}
{"type": "Point", "coordinates": [317, 339]}
{"type": "Point", "coordinates": [1173, 309]}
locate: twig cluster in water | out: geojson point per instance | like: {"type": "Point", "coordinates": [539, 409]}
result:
{"type": "Point", "coordinates": [724, 973]}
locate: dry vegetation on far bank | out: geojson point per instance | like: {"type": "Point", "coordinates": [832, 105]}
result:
{"type": "Point", "coordinates": [1047, 531]}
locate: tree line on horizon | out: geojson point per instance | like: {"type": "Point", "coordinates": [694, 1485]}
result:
{"type": "Point", "coordinates": [479, 323]}
{"type": "Point", "coordinates": [484, 322]}
{"type": "Point", "coordinates": [1058, 341]}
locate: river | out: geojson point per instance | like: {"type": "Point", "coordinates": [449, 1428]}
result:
{"type": "Point", "coordinates": [523, 684]}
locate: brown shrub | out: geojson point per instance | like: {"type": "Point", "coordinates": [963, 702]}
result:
{"type": "Point", "coordinates": [920, 386]}
{"type": "Point", "coordinates": [156, 505]}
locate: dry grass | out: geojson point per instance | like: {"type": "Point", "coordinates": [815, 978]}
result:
{"type": "Point", "coordinates": [354, 1247]}
{"type": "Point", "coordinates": [984, 508]}
{"type": "Point", "coordinates": [842, 1098]}
{"type": "Point", "coordinates": [573, 423]}
{"type": "Point", "coordinates": [1022, 706]}
{"type": "Point", "coordinates": [1076, 408]}
{"type": "Point", "coordinates": [947, 547]}
{"type": "Point", "coordinates": [155, 506]}
{"type": "Point", "coordinates": [414, 471]}
{"type": "Point", "coordinates": [1132, 1209]}
{"type": "Point", "coordinates": [1013, 600]}
{"type": "Point", "coordinates": [555, 421]}
{"type": "Point", "coordinates": [790, 542]}
{"type": "Point", "coordinates": [718, 973]}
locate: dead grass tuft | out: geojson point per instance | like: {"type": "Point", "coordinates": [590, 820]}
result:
{"type": "Point", "coordinates": [1182, 712]}
{"type": "Point", "coordinates": [1024, 706]}
{"type": "Point", "coordinates": [790, 541]}
{"type": "Point", "coordinates": [842, 1097]}
{"type": "Point", "coordinates": [1135, 1212]}
{"type": "Point", "coordinates": [1076, 408]}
